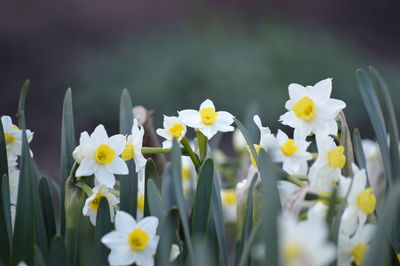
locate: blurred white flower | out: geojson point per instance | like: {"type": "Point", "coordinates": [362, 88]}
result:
{"type": "Point", "coordinates": [13, 179]}
{"type": "Point", "coordinates": [311, 110]}
{"type": "Point", "coordinates": [291, 152]}
{"type": "Point", "coordinates": [304, 243]}
{"type": "Point", "coordinates": [188, 176]}
{"type": "Point", "coordinates": [265, 132]}
{"type": "Point", "coordinates": [207, 120]}
{"type": "Point", "coordinates": [318, 212]}
{"type": "Point", "coordinates": [13, 138]}
{"type": "Point", "coordinates": [92, 203]}
{"type": "Point", "coordinates": [101, 157]}
{"type": "Point", "coordinates": [133, 146]}
{"type": "Point", "coordinates": [173, 128]}
{"type": "Point", "coordinates": [132, 242]}
{"type": "Point", "coordinates": [175, 251]}
{"type": "Point", "coordinates": [239, 142]}
{"type": "Point", "coordinates": [229, 205]}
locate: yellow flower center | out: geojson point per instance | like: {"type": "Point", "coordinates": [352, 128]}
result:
{"type": "Point", "coordinates": [128, 152]}
{"type": "Point", "coordinates": [208, 115]}
{"type": "Point", "coordinates": [359, 252]}
{"type": "Point", "coordinates": [305, 108]}
{"type": "Point", "coordinates": [229, 197]}
{"type": "Point", "coordinates": [176, 130]}
{"type": "Point", "coordinates": [291, 252]}
{"type": "Point", "coordinates": [138, 239]}
{"type": "Point", "coordinates": [140, 203]}
{"type": "Point", "coordinates": [94, 204]}
{"type": "Point", "coordinates": [252, 159]}
{"type": "Point", "coordinates": [15, 127]}
{"type": "Point", "coordinates": [366, 201]}
{"type": "Point", "coordinates": [336, 158]}
{"type": "Point", "coordinates": [9, 139]}
{"type": "Point", "coordinates": [104, 154]}
{"type": "Point", "coordinates": [185, 174]}
{"type": "Point", "coordinates": [289, 148]}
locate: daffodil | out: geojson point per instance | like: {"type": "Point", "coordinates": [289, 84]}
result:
{"type": "Point", "coordinates": [354, 248]}
{"type": "Point", "coordinates": [13, 137]}
{"type": "Point", "coordinates": [132, 242]}
{"type": "Point", "coordinates": [311, 110]}
{"type": "Point", "coordinates": [326, 170]}
{"type": "Point", "coordinates": [265, 132]}
{"type": "Point", "coordinates": [101, 157]}
{"type": "Point", "coordinates": [207, 120]}
{"type": "Point", "coordinates": [92, 203]}
{"type": "Point", "coordinates": [133, 146]}
{"type": "Point", "coordinates": [229, 205]}
{"type": "Point", "coordinates": [173, 128]}
{"type": "Point", "coordinates": [304, 243]}
{"type": "Point", "coordinates": [291, 152]}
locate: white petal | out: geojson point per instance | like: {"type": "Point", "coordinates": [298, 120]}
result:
{"type": "Point", "coordinates": [223, 122]}
{"type": "Point", "coordinates": [163, 133]}
{"type": "Point", "coordinates": [149, 224]}
{"type": "Point", "coordinates": [87, 167]}
{"type": "Point", "coordinates": [124, 222]}
{"type": "Point", "coordinates": [117, 143]}
{"type": "Point", "coordinates": [296, 91]}
{"type": "Point", "coordinates": [191, 118]}
{"type": "Point", "coordinates": [322, 90]}
{"type": "Point", "coordinates": [143, 259]}
{"type": "Point", "coordinates": [115, 240]}
{"type": "Point", "coordinates": [121, 257]}
{"type": "Point", "coordinates": [301, 132]}
{"type": "Point", "coordinates": [118, 167]}
{"type": "Point", "coordinates": [105, 177]}
{"type": "Point", "coordinates": [99, 133]}
{"type": "Point", "coordinates": [209, 132]}
{"type": "Point", "coordinates": [206, 104]}
{"type": "Point", "coordinates": [140, 161]}
{"type": "Point", "coordinates": [281, 137]}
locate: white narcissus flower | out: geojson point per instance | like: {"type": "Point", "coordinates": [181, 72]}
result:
{"type": "Point", "coordinates": [79, 152]}
{"type": "Point", "coordinates": [291, 152]}
{"type": "Point", "coordinates": [207, 120]}
{"type": "Point", "coordinates": [361, 202]}
{"type": "Point", "coordinates": [173, 128]}
{"type": "Point", "coordinates": [326, 170]}
{"type": "Point", "coordinates": [304, 243]}
{"type": "Point", "coordinates": [311, 110]}
{"type": "Point", "coordinates": [229, 205]}
{"type": "Point", "coordinates": [354, 249]}
{"type": "Point", "coordinates": [239, 142]}
{"type": "Point", "coordinates": [101, 157]}
{"type": "Point", "coordinates": [132, 242]}
{"type": "Point", "coordinates": [133, 146]}
{"type": "Point", "coordinates": [13, 138]}
{"type": "Point", "coordinates": [265, 133]}
{"type": "Point", "coordinates": [13, 179]}
{"type": "Point", "coordinates": [92, 203]}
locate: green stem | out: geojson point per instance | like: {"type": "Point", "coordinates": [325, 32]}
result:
{"type": "Point", "coordinates": [202, 141]}
{"type": "Point", "coordinates": [314, 156]}
{"type": "Point", "coordinates": [300, 177]}
{"type": "Point", "coordinates": [295, 181]}
{"type": "Point", "coordinates": [85, 187]}
{"type": "Point", "coordinates": [190, 152]}
{"type": "Point", "coordinates": [152, 150]}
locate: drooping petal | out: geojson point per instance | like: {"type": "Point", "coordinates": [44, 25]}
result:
{"type": "Point", "coordinates": [208, 131]}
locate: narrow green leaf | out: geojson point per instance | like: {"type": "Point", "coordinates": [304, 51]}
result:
{"type": "Point", "coordinates": [374, 110]}
{"type": "Point", "coordinates": [154, 199]}
{"type": "Point", "coordinates": [249, 244]}
{"type": "Point", "coordinates": [58, 252]}
{"type": "Point", "coordinates": [248, 221]}
{"type": "Point", "coordinates": [177, 183]}
{"type": "Point", "coordinates": [21, 102]}
{"type": "Point", "coordinates": [249, 140]}
{"type": "Point", "coordinates": [331, 213]}
{"type": "Point", "coordinates": [379, 252]}
{"type": "Point", "coordinates": [168, 194]}
{"type": "Point", "coordinates": [203, 144]}
{"type": "Point", "coordinates": [201, 205]}
{"type": "Point", "coordinates": [48, 209]}
{"type": "Point", "coordinates": [150, 173]}
{"type": "Point", "coordinates": [68, 144]}
{"type": "Point", "coordinates": [103, 226]}
{"type": "Point", "coordinates": [359, 151]}
{"type": "Point", "coordinates": [168, 229]}
{"type": "Point", "coordinates": [271, 208]}
{"type": "Point", "coordinates": [345, 141]}
{"type": "Point", "coordinates": [128, 183]}
{"type": "Point", "coordinates": [39, 257]}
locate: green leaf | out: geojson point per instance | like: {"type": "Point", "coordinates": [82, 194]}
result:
{"type": "Point", "coordinates": [345, 141]}
{"type": "Point", "coordinates": [168, 229]}
{"type": "Point", "coordinates": [154, 199]}
{"type": "Point", "coordinates": [39, 258]}
{"type": "Point", "coordinates": [359, 151]}
{"type": "Point", "coordinates": [177, 183]}
{"type": "Point", "coordinates": [201, 205]}
{"type": "Point", "coordinates": [379, 252]}
{"type": "Point", "coordinates": [103, 226]}
{"type": "Point", "coordinates": [374, 110]}
{"type": "Point", "coordinates": [271, 207]}
{"type": "Point", "coordinates": [128, 183]}
{"type": "Point", "coordinates": [48, 209]}
{"type": "Point", "coordinates": [150, 173]}
{"type": "Point", "coordinates": [249, 140]}
{"type": "Point", "coordinates": [68, 144]}
{"type": "Point", "coordinates": [23, 241]}
{"type": "Point", "coordinates": [21, 102]}
{"type": "Point", "coordinates": [168, 190]}
{"type": "Point", "coordinates": [203, 144]}
{"type": "Point", "coordinates": [248, 221]}
{"type": "Point", "coordinates": [58, 252]}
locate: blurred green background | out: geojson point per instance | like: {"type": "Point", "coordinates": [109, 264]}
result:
{"type": "Point", "coordinates": [172, 56]}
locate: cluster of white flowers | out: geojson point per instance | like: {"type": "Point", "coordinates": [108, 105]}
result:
{"type": "Point", "coordinates": [13, 140]}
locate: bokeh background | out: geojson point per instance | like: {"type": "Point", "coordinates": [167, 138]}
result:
{"type": "Point", "coordinates": [174, 54]}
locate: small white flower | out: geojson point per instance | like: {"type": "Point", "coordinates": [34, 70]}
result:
{"type": "Point", "coordinates": [79, 152]}
{"type": "Point", "coordinates": [291, 152]}
{"type": "Point", "coordinates": [361, 201]}
{"type": "Point", "coordinates": [265, 132]}
{"type": "Point", "coordinates": [92, 203]}
{"type": "Point", "coordinates": [229, 205]}
{"type": "Point", "coordinates": [13, 138]}
{"type": "Point", "coordinates": [175, 251]}
{"type": "Point", "coordinates": [304, 243]}
{"type": "Point", "coordinates": [239, 142]}
{"type": "Point", "coordinates": [326, 170]}
{"type": "Point", "coordinates": [132, 242]}
{"type": "Point", "coordinates": [188, 176]}
{"type": "Point", "coordinates": [207, 120]}
{"type": "Point", "coordinates": [133, 146]}
{"type": "Point", "coordinates": [101, 157]}
{"type": "Point", "coordinates": [311, 110]}
{"type": "Point", "coordinates": [354, 249]}
{"type": "Point", "coordinates": [173, 128]}
{"type": "Point", "coordinates": [13, 179]}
